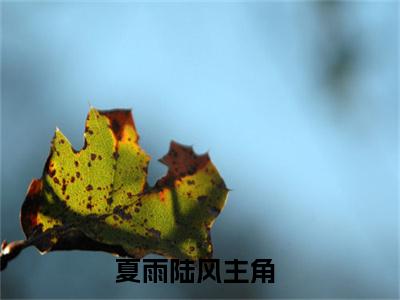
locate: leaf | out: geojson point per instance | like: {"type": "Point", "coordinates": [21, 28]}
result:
{"type": "Point", "coordinates": [98, 198]}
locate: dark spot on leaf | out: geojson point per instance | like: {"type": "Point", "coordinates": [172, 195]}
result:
{"type": "Point", "coordinates": [120, 211]}
{"type": "Point", "coordinates": [191, 248]}
{"type": "Point", "coordinates": [115, 155]}
{"type": "Point", "coordinates": [191, 170]}
{"type": "Point", "coordinates": [137, 209]}
{"type": "Point", "coordinates": [89, 187]}
{"type": "Point", "coordinates": [67, 197]}
{"type": "Point", "coordinates": [78, 174]}
{"type": "Point", "coordinates": [214, 211]}
{"type": "Point", "coordinates": [109, 201]}
{"type": "Point", "coordinates": [129, 195]}
{"type": "Point", "coordinates": [52, 172]}
{"type": "Point", "coordinates": [118, 120]}
{"type": "Point", "coordinates": [202, 198]}
{"type": "Point", "coordinates": [116, 127]}
{"type": "Point", "coordinates": [93, 156]}
{"type": "Point", "coordinates": [89, 206]}
{"type": "Point", "coordinates": [154, 232]}
{"type": "Point", "coordinates": [55, 179]}
{"type": "Point", "coordinates": [90, 198]}
{"type": "Point", "coordinates": [76, 163]}
{"type": "Point", "coordinates": [100, 157]}
{"type": "Point", "coordinates": [64, 187]}
{"type": "Point", "coordinates": [72, 179]}
{"type": "Point", "coordinates": [191, 182]}
{"type": "Point", "coordinates": [89, 164]}
{"type": "Point", "coordinates": [222, 185]}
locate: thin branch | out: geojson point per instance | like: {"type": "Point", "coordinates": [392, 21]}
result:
{"type": "Point", "coordinates": [12, 250]}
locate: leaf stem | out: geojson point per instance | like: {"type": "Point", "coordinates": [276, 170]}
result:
{"type": "Point", "coordinates": [12, 250]}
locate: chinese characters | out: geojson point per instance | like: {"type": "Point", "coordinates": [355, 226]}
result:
{"type": "Point", "coordinates": [187, 271]}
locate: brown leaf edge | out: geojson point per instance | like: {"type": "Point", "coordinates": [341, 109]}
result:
{"type": "Point", "coordinates": [181, 160]}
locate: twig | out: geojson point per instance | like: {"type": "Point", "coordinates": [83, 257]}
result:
{"type": "Point", "coordinates": [11, 250]}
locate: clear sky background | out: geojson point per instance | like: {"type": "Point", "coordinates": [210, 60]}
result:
{"type": "Point", "coordinates": [297, 103]}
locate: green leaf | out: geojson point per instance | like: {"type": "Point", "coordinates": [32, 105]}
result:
{"type": "Point", "coordinates": [98, 198]}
